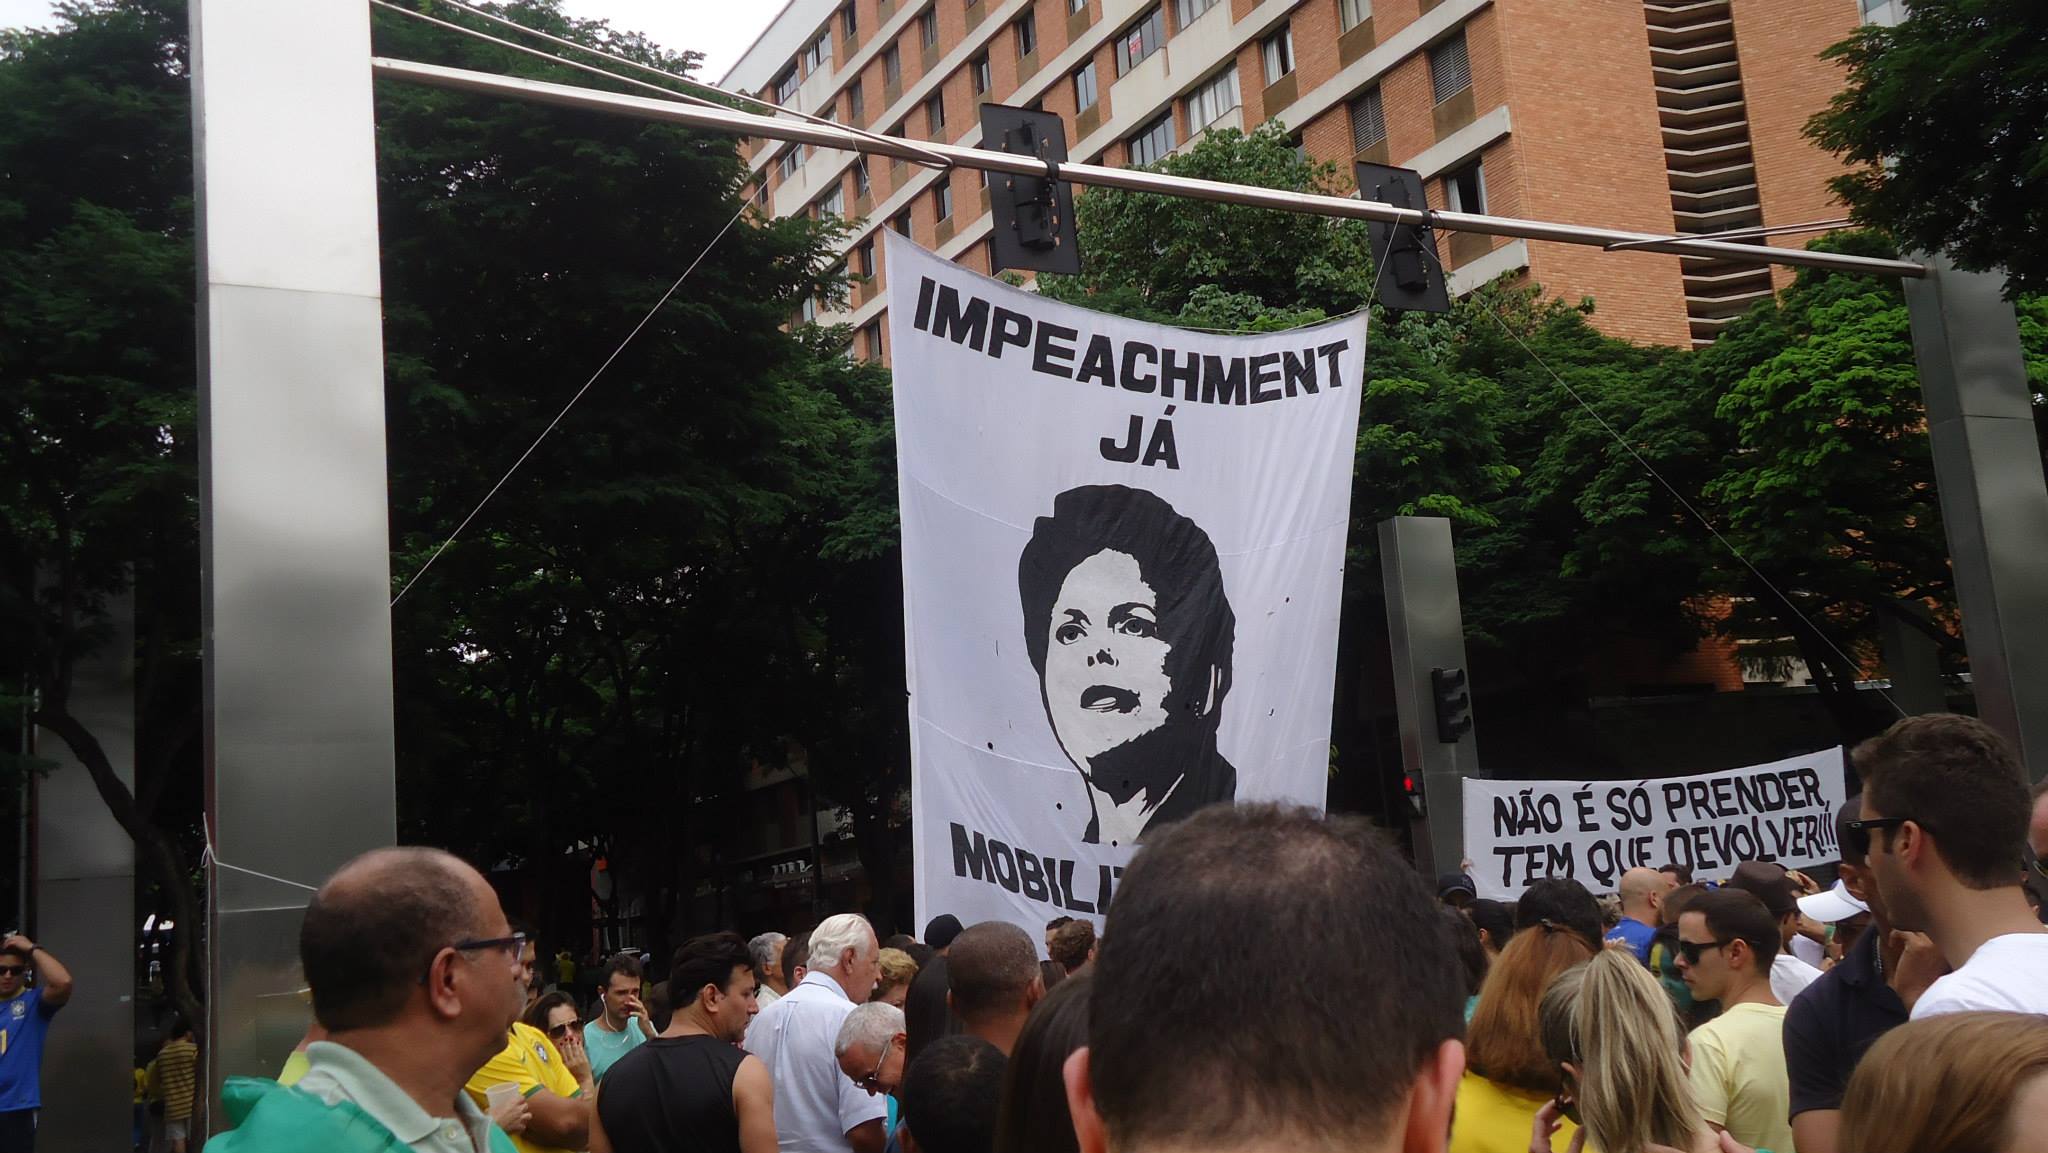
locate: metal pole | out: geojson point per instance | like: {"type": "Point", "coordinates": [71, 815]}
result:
{"type": "Point", "coordinates": [1994, 504]}
{"type": "Point", "coordinates": [828, 136]}
{"type": "Point", "coordinates": [1427, 630]}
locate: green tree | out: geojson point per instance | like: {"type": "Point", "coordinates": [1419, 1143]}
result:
{"type": "Point", "coordinates": [1942, 117]}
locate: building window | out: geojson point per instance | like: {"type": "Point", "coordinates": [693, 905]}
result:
{"type": "Point", "coordinates": [787, 163]}
{"type": "Point", "coordinates": [1084, 87]}
{"type": "Point", "coordinates": [983, 78]}
{"type": "Point", "coordinates": [1450, 69]}
{"type": "Point", "coordinates": [785, 85]}
{"type": "Point", "coordinates": [872, 336]}
{"type": "Point", "coordinates": [849, 24]}
{"type": "Point", "coordinates": [1152, 142]}
{"type": "Point", "coordinates": [892, 65]}
{"type": "Point", "coordinates": [935, 115]}
{"type": "Point", "coordinates": [1208, 102]}
{"type": "Point", "coordinates": [856, 103]}
{"type": "Point", "coordinates": [864, 258]}
{"type": "Point", "coordinates": [819, 53]}
{"type": "Point", "coordinates": [809, 310]}
{"type": "Point", "coordinates": [1352, 13]}
{"type": "Point", "coordinates": [833, 203]}
{"type": "Point", "coordinates": [1140, 40]}
{"type": "Point", "coordinates": [761, 194]}
{"type": "Point", "coordinates": [861, 186]}
{"type": "Point", "coordinates": [1278, 51]}
{"type": "Point", "coordinates": [1465, 189]}
{"type": "Point", "coordinates": [928, 27]}
{"type": "Point", "coordinates": [988, 253]}
{"type": "Point", "coordinates": [1027, 33]}
{"type": "Point", "coordinates": [1189, 11]}
{"type": "Point", "coordinates": [902, 223]}
{"type": "Point", "coordinates": [1368, 119]}
{"type": "Point", "coordinates": [942, 198]}
{"type": "Point", "coordinates": [1074, 6]}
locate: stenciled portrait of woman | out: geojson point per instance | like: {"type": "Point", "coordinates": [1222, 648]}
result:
{"type": "Point", "coordinates": [1128, 627]}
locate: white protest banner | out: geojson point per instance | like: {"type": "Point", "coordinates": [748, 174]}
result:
{"type": "Point", "coordinates": [1517, 832]}
{"type": "Point", "coordinates": [1123, 549]}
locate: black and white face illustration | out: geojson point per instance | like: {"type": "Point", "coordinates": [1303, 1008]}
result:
{"type": "Point", "coordinates": [1127, 625]}
{"type": "Point", "coordinates": [1106, 680]}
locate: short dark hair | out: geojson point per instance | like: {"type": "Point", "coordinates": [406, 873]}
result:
{"type": "Point", "coordinates": [709, 959]}
{"type": "Point", "coordinates": [1565, 904]}
{"type": "Point", "coordinates": [17, 951]}
{"type": "Point", "coordinates": [628, 965]}
{"type": "Point", "coordinates": [1854, 844]}
{"type": "Point", "coordinates": [536, 1014]}
{"type": "Point", "coordinates": [1071, 943]}
{"type": "Point", "coordinates": [1176, 559]}
{"type": "Point", "coordinates": [1249, 1063]}
{"type": "Point", "coordinates": [180, 1027]}
{"type": "Point", "coordinates": [1956, 778]}
{"type": "Point", "coordinates": [364, 944]}
{"type": "Point", "coordinates": [1471, 954]}
{"type": "Point", "coordinates": [940, 930]}
{"type": "Point", "coordinates": [901, 942]}
{"type": "Point", "coordinates": [796, 952]}
{"type": "Point", "coordinates": [1738, 915]}
{"type": "Point", "coordinates": [950, 1095]}
{"type": "Point", "coordinates": [1056, 922]}
{"type": "Point", "coordinates": [1496, 917]}
{"type": "Point", "coordinates": [989, 967]}
{"type": "Point", "coordinates": [1682, 872]}
{"type": "Point", "coordinates": [1034, 1117]}
{"type": "Point", "coordinates": [1678, 900]}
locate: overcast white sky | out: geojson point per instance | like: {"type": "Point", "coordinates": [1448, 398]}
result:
{"type": "Point", "coordinates": [721, 29]}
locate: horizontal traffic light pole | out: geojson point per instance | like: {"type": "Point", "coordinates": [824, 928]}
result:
{"type": "Point", "coordinates": [720, 119]}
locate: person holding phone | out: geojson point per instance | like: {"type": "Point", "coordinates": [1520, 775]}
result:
{"type": "Point", "coordinates": [621, 1024]}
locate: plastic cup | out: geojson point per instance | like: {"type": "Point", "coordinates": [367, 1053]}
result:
{"type": "Point", "coordinates": [501, 1095]}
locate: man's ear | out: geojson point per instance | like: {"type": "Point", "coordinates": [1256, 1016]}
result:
{"type": "Point", "coordinates": [1855, 880]}
{"type": "Point", "coordinates": [1033, 994]}
{"type": "Point", "coordinates": [1088, 1130]}
{"type": "Point", "coordinates": [1433, 1099]}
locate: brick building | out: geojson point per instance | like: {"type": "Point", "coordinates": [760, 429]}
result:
{"type": "Point", "coordinates": [1664, 117]}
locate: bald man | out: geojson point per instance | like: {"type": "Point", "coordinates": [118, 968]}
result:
{"type": "Point", "coordinates": [415, 977]}
{"type": "Point", "coordinates": [1642, 895]}
{"type": "Point", "coordinates": [995, 978]}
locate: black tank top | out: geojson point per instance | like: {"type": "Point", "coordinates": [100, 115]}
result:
{"type": "Point", "coordinates": [673, 1095]}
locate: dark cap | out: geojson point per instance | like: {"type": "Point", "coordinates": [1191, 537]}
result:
{"type": "Point", "coordinates": [1455, 883]}
{"type": "Point", "coordinates": [1769, 883]}
{"type": "Point", "coordinates": [940, 930]}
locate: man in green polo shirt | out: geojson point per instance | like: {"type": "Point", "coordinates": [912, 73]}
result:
{"type": "Point", "coordinates": [415, 978]}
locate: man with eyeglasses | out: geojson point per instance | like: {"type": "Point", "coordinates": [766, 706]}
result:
{"type": "Point", "coordinates": [1726, 940]}
{"type": "Point", "coordinates": [415, 976]}
{"type": "Point", "coordinates": [1945, 805]}
{"type": "Point", "coordinates": [693, 1089]}
{"type": "Point", "coordinates": [554, 1081]}
{"type": "Point", "coordinates": [25, 1014]}
{"type": "Point", "coordinates": [871, 1048]}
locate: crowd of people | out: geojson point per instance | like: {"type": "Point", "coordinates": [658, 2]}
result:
{"type": "Point", "coordinates": [1268, 978]}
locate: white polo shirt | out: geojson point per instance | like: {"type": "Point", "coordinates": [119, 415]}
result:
{"type": "Point", "coordinates": [816, 1103]}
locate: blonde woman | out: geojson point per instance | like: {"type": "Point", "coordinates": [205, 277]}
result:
{"type": "Point", "coordinates": [1959, 1083]}
{"type": "Point", "coordinates": [1615, 1039]}
{"type": "Point", "coordinates": [897, 969]}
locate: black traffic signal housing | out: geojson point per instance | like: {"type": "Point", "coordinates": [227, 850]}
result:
{"type": "Point", "coordinates": [1411, 788]}
{"type": "Point", "coordinates": [1409, 276]}
{"type": "Point", "coordinates": [1453, 704]}
{"type": "Point", "coordinates": [1032, 216]}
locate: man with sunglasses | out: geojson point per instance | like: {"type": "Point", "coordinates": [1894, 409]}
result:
{"type": "Point", "coordinates": [1945, 805]}
{"type": "Point", "coordinates": [24, 1020]}
{"type": "Point", "coordinates": [415, 975]}
{"type": "Point", "coordinates": [1726, 940]}
{"type": "Point", "coordinates": [693, 1089]}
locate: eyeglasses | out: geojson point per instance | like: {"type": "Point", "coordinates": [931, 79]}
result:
{"type": "Point", "coordinates": [872, 1082]}
{"type": "Point", "coordinates": [1691, 950]}
{"type": "Point", "coordinates": [1874, 823]}
{"type": "Point", "coordinates": [514, 944]}
{"type": "Point", "coordinates": [12, 970]}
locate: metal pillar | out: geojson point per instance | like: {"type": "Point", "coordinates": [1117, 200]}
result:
{"type": "Point", "coordinates": [294, 511]}
{"type": "Point", "coordinates": [1994, 505]}
{"type": "Point", "coordinates": [85, 906]}
{"type": "Point", "coordinates": [1427, 629]}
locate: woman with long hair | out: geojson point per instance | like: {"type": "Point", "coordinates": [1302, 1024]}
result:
{"type": "Point", "coordinates": [1960, 1083]}
{"type": "Point", "coordinates": [1615, 1039]}
{"type": "Point", "coordinates": [1508, 1076]}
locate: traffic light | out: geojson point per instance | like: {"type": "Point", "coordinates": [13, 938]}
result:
{"type": "Point", "coordinates": [1453, 704]}
{"type": "Point", "coordinates": [1411, 788]}
{"type": "Point", "coordinates": [1033, 216]}
{"type": "Point", "coordinates": [1404, 255]}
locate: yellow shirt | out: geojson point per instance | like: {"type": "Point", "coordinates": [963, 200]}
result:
{"type": "Point", "coordinates": [295, 1067]}
{"type": "Point", "coordinates": [1739, 1076]}
{"type": "Point", "coordinates": [529, 1061]}
{"type": "Point", "coordinates": [1495, 1118]}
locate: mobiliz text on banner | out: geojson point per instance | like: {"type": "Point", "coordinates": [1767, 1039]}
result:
{"type": "Point", "coordinates": [1518, 832]}
{"type": "Point", "coordinates": [1123, 554]}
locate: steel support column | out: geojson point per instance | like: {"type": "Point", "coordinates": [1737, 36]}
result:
{"type": "Point", "coordinates": [294, 511]}
{"type": "Point", "coordinates": [1994, 505]}
{"type": "Point", "coordinates": [1427, 629]}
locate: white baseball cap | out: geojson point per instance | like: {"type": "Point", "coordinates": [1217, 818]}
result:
{"type": "Point", "coordinates": [1831, 905]}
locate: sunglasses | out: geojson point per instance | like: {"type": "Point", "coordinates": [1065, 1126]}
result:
{"type": "Point", "coordinates": [12, 970]}
{"type": "Point", "coordinates": [1691, 950]}
{"type": "Point", "coordinates": [561, 1030]}
{"type": "Point", "coordinates": [1872, 824]}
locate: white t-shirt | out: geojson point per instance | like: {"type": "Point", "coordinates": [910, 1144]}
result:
{"type": "Point", "coordinates": [1790, 976]}
{"type": "Point", "coordinates": [816, 1103]}
{"type": "Point", "coordinates": [2008, 973]}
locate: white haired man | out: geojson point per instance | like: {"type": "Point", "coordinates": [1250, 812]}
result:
{"type": "Point", "coordinates": [766, 950]}
{"type": "Point", "coordinates": [870, 1047]}
{"type": "Point", "coordinates": [817, 1108]}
